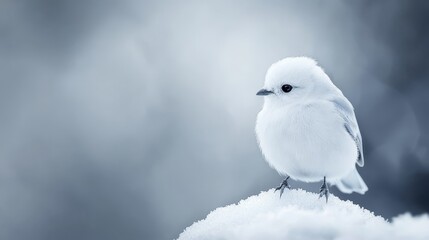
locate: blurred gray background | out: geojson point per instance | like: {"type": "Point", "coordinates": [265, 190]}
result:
{"type": "Point", "coordinates": [133, 119]}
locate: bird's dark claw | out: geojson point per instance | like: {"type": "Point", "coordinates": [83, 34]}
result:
{"type": "Point", "coordinates": [324, 190]}
{"type": "Point", "coordinates": [282, 186]}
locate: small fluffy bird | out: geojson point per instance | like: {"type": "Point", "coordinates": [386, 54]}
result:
{"type": "Point", "coordinates": [307, 129]}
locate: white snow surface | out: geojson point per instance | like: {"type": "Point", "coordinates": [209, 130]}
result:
{"type": "Point", "coordinates": [302, 215]}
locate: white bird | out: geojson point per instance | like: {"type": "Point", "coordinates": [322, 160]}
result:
{"type": "Point", "coordinates": [307, 129]}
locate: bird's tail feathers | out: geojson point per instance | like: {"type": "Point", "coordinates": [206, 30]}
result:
{"type": "Point", "coordinates": [353, 182]}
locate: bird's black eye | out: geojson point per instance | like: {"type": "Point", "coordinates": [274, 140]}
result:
{"type": "Point", "coordinates": [287, 88]}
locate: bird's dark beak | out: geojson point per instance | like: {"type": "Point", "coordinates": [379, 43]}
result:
{"type": "Point", "coordinates": [264, 92]}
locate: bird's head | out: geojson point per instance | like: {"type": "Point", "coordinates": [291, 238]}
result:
{"type": "Point", "coordinates": [295, 79]}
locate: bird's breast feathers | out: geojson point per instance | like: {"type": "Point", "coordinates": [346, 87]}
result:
{"type": "Point", "coordinates": [306, 139]}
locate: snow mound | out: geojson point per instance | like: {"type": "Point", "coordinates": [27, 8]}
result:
{"type": "Point", "coordinates": [301, 215]}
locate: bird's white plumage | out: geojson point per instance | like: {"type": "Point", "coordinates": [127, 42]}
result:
{"type": "Point", "coordinates": [310, 132]}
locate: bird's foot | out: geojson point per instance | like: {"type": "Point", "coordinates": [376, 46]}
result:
{"type": "Point", "coordinates": [324, 190]}
{"type": "Point", "coordinates": [282, 186]}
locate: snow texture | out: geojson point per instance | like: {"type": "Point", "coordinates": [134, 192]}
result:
{"type": "Point", "coordinates": [301, 215]}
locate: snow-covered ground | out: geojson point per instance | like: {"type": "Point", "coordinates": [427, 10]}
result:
{"type": "Point", "coordinates": [301, 215]}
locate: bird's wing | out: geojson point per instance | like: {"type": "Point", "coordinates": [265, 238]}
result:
{"type": "Point", "coordinates": [346, 111]}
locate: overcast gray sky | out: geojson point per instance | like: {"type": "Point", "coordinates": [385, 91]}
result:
{"type": "Point", "coordinates": [133, 119]}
